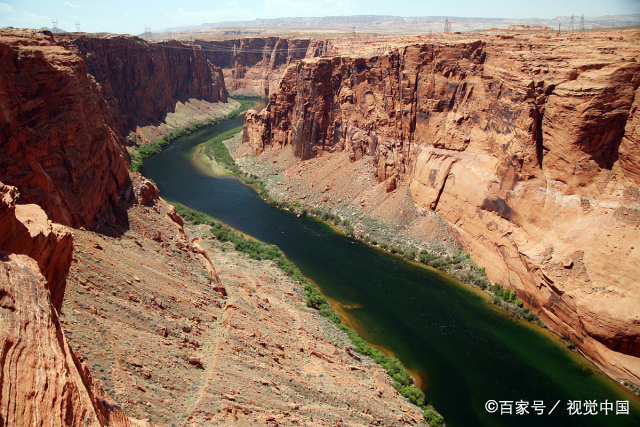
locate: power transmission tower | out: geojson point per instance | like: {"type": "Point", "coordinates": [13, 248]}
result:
{"type": "Point", "coordinates": [447, 26]}
{"type": "Point", "coordinates": [55, 25]}
{"type": "Point", "coordinates": [77, 27]}
{"type": "Point", "coordinates": [559, 24]}
{"type": "Point", "coordinates": [354, 30]}
{"type": "Point", "coordinates": [147, 32]}
{"type": "Point", "coordinates": [571, 23]}
{"type": "Point", "coordinates": [582, 23]}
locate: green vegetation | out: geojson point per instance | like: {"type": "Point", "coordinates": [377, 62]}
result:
{"type": "Point", "coordinates": [507, 300]}
{"type": "Point", "coordinates": [258, 250]}
{"type": "Point", "coordinates": [433, 418]}
{"type": "Point", "coordinates": [215, 148]}
{"type": "Point", "coordinates": [249, 97]}
{"type": "Point", "coordinates": [193, 216]}
{"type": "Point", "coordinates": [141, 153]}
{"type": "Point", "coordinates": [570, 344]}
{"type": "Point", "coordinates": [634, 388]}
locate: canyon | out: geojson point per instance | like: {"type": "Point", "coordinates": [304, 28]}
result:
{"type": "Point", "coordinates": [69, 105]}
{"type": "Point", "coordinates": [112, 310]}
{"type": "Point", "coordinates": [519, 148]}
{"type": "Point", "coordinates": [253, 66]}
{"type": "Point", "coordinates": [526, 145]}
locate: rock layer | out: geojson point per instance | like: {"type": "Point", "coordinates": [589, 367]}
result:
{"type": "Point", "coordinates": [27, 230]}
{"type": "Point", "coordinates": [142, 81]}
{"type": "Point", "coordinates": [526, 145]}
{"type": "Point", "coordinates": [68, 105]}
{"type": "Point", "coordinates": [42, 381]}
{"type": "Point", "coordinates": [57, 139]}
{"type": "Point", "coordinates": [254, 66]}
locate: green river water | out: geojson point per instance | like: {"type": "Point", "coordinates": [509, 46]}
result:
{"type": "Point", "coordinates": [466, 351]}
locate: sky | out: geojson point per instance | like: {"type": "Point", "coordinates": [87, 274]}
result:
{"type": "Point", "coordinates": [131, 17]}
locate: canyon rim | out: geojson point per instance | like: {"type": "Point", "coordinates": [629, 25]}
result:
{"type": "Point", "coordinates": [518, 146]}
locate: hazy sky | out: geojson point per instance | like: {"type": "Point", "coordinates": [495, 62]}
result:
{"type": "Point", "coordinates": [127, 16]}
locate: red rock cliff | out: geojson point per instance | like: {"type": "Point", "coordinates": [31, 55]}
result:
{"type": "Point", "coordinates": [528, 146]}
{"type": "Point", "coordinates": [43, 383]}
{"type": "Point", "coordinates": [254, 66]}
{"type": "Point", "coordinates": [58, 143]}
{"type": "Point", "coordinates": [141, 81]}
{"type": "Point", "coordinates": [69, 102]}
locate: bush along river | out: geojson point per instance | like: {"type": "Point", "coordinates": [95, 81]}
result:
{"type": "Point", "coordinates": [480, 367]}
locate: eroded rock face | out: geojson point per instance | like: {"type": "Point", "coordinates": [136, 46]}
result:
{"type": "Point", "coordinates": [141, 81]}
{"type": "Point", "coordinates": [526, 145]}
{"type": "Point", "coordinates": [57, 141]}
{"type": "Point", "coordinates": [27, 230]}
{"type": "Point", "coordinates": [68, 104]}
{"type": "Point", "coordinates": [42, 382]}
{"type": "Point", "coordinates": [254, 66]}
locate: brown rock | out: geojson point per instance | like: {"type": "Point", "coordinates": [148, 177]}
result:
{"type": "Point", "coordinates": [25, 229]}
{"type": "Point", "coordinates": [504, 149]}
{"type": "Point", "coordinates": [30, 324]}
{"type": "Point", "coordinates": [196, 361]}
{"type": "Point", "coordinates": [390, 184]}
{"type": "Point", "coordinates": [71, 161]}
{"type": "Point", "coordinates": [254, 65]}
{"type": "Point", "coordinates": [71, 129]}
{"type": "Point", "coordinates": [134, 361]}
{"type": "Point", "coordinates": [172, 70]}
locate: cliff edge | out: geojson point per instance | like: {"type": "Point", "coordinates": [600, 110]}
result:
{"type": "Point", "coordinates": [527, 145]}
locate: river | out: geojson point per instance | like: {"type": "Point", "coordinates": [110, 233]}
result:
{"type": "Point", "coordinates": [466, 351]}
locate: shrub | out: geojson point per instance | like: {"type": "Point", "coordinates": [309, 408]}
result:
{"type": "Point", "coordinates": [193, 216]}
{"type": "Point", "coordinates": [433, 418]}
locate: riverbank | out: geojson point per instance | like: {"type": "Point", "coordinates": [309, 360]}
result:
{"type": "Point", "coordinates": [143, 149]}
{"type": "Point", "coordinates": [378, 229]}
{"type": "Point", "coordinates": [441, 330]}
{"type": "Point", "coordinates": [179, 328]}
{"type": "Point", "coordinates": [402, 380]}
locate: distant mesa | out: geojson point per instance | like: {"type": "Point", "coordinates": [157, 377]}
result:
{"type": "Point", "coordinates": [54, 30]}
{"type": "Point", "coordinates": [418, 24]}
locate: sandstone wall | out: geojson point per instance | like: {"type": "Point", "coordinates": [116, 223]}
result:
{"type": "Point", "coordinates": [141, 81]}
{"type": "Point", "coordinates": [526, 145]}
{"type": "Point", "coordinates": [58, 140]}
{"type": "Point", "coordinates": [68, 104]}
{"type": "Point", "coordinates": [254, 66]}
{"type": "Point", "coordinates": [43, 383]}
